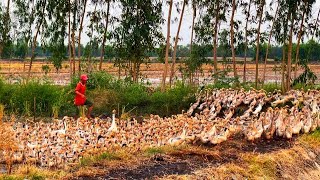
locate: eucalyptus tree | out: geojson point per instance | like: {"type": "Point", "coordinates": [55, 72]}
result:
{"type": "Point", "coordinates": [194, 15]}
{"type": "Point", "coordinates": [93, 34]}
{"type": "Point", "coordinates": [247, 8]}
{"type": "Point", "coordinates": [259, 14]}
{"type": "Point", "coordinates": [280, 35]}
{"type": "Point", "coordinates": [138, 32]}
{"type": "Point", "coordinates": [73, 10]}
{"type": "Point", "coordinates": [82, 4]}
{"type": "Point", "coordinates": [234, 6]}
{"type": "Point", "coordinates": [32, 20]}
{"type": "Point", "coordinates": [306, 9]}
{"type": "Point", "coordinates": [292, 12]}
{"type": "Point", "coordinates": [5, 23]}
{"type": "Point", "coordinates": [184, 3]}
{"type": "Point", "coordinates": [56, 31]}
{"type": "Point", "coordinates": [269, 40]}
{"type": "Point", "coordinates": [165, 71]}
{"type": "Point", "coordinates": [105, 23]}
{"type": "Point", "coordinates": [211, 14]}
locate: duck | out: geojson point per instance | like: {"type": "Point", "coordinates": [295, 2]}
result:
{"type": "Point", "coordinates": [113, 128]}
{"type": "Point", "coordinates": [219, 138]}
{"type": "Point", "coordinates": [307, 123]}
{"type": "Point", "coordinates": [176, 141]}
{"type": "Point", "coordinates": [288, 129]}
{"type": "Point", "coordinates": [280, 125]}
{"type": "Point", "coordinates": [259, 108]}
{"type": "Point", "coordinates": [297, 125]}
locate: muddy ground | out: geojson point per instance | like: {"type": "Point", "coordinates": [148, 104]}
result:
{"type": "Point", "coordinates": [13, 70]}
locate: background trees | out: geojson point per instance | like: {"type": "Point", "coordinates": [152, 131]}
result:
{"type": "Point", "coordinates": [128, 32]}
{"type": "Point", "coordinates": [138, 32]}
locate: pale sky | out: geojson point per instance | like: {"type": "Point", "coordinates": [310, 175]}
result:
{"type": "Point", "coordinates": [185, 32]}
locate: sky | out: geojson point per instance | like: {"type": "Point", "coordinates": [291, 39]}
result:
{"type": "Point", "coordinates": [185, 32]}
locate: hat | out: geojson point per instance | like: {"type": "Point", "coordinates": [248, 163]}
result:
{"type": "Point", "coordinates": [84, 77]}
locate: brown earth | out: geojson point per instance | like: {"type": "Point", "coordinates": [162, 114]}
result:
{"type": "Point", "coordinates": [153, 71]}
{"type": "Point", "coordinates": [234, 159]}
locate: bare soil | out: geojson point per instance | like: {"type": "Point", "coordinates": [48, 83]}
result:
{"type": "Point", "coordinates": [152, 72]}
{"type": "Point", "coordinates": [188, 162]}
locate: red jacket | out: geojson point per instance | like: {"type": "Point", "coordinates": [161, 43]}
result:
{"type": "Point", "coordinates": [79, 100]}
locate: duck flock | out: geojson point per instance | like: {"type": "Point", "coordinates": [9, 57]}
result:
{"type": "Point", "coordinates": [215, 116]}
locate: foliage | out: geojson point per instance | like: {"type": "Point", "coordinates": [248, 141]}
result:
{"type": "Point", "coordinates": [19, 98]}
{"type": "Point", "coordinates": [58, 55]}
{"type": "Point", "coordinates": [138, 32]}
{"type": "Point", "coordinates": [195, 61]}
{"type": "Point", "coordinates": [307, 77]}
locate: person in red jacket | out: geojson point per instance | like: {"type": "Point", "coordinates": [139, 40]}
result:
{"type": "Point", "coordinates": [80, 98]}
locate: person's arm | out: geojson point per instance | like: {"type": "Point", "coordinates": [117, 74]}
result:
{"type": "Point", "coordinates": [80, 94]}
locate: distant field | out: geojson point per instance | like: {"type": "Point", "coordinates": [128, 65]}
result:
{"type": "Point", "coordinates": [151, 71]}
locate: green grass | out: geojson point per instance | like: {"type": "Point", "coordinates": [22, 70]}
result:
{"type": "Point", "coordinates": [154, 150]}
{"type": "Point", "coordinates": [106, 156]}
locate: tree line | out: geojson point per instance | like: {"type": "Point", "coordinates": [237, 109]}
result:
{"type": "Point", "coordinates": [308, 51]}
{"type": "Point", "coordinates": [134, 34]}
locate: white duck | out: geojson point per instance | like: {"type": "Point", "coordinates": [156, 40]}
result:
{"type": "Point", "coordinates": [113, 128]}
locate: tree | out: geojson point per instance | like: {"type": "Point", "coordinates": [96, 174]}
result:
{"type": "Point", "coordinates": [306, 13]}
{"type": "Point", "coordinates": [268, 45]}
{"type": "Point", "coordinates": [165, 71]}
{"type": "Point", "coordinates": [232, 38]}
{"type": "Point", "coordinates": [56, 31]}
{"type": "Point", "coordinates": [215, 37]}
{"type": "Point", "coordinates": [194, 8]}
{"type": "Point", "coordinates": [260, 13]}
{"type": "Point", "coordinates": [138, 32]}
{"type": "Point", "coordinates": [247, 12]}
{"type": "Point", "coordinates": [5, 28]}
{"type": "Point", "coordinates": [82, 7]}
{"type": "Point", "coordinates": [292, 15]}
{"type": "Point", "coordinates": [176, 44]}
{"type": "Point", "coordinates": [31, 16]}
{"type": "Point", "coordinates": [104, 38]}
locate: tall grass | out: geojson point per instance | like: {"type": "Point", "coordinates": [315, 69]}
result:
{"type": "Point", "coordinates": [42, 99]}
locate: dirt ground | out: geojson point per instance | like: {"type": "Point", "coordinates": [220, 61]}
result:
{"type": "Point", "coordinates": [152, 72]}
{"type": "Point", "coordinates": [234, 159]}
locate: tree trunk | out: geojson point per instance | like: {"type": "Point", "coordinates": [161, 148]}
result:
{"type": "Point", "coordinates": [215, 39]}
{"type": "Point", "coordinates": [80, 31]}
{"type": "Point", "coordinates": [290, 53]}
{"type": "Point", "coordinates": [104, 36]}
{"type": "Point", "coordinates": [232, 39]}
{"type": "Point", "coordinates": [73, 40]}
{"type": "Point", "coordinates": [298, 42]}
{"type": "Point", "coordinates": [34, 42]}
{"type": "Point", "coordinates": [164, 78]}
{"type": "Point", "coordinates": [192, 28]}
{"type": "Point", "coordinates": [258, 42]}
{"type": "Point", "coordinates": [283, 87]}
{"type": "Point", "coordinates": [246, 44]}
{"type": "Point", "coordinates": [69, 40]}
{"type": "Point", "coordinates": [176, 45]}
{"type": "Point", "coordinates": [268, 46]}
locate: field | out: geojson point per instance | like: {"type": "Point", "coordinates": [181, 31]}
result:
{"type": "Point", "coordinates": [225, 134]}
{"type": "Point", "coordinates": [151, 72]}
